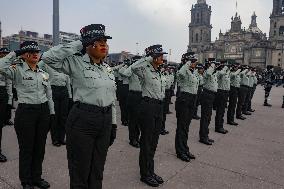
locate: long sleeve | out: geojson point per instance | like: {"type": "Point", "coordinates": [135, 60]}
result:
{"type": "Point", "coordinates": [127, 72]}
{"type": "Point", "coordinates": [68, 83]}
{"type": "Point", "coordinates": [138, 67]}
{"type": "Point", "coordinates": [181, 74]}
{"type": "Point", "coordinates": [57, 57]}
{"type": "Point", "coordinates": [49, 97]}
{"type": "Point", "coordinates": [5, 64]}
{"type": "Point", "coordinates": [9, 87]}
{"type": "Point", "coordinates": [113, 107]}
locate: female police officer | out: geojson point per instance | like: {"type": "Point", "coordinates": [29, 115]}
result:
{"type": "Point", "coordinates": [91, 124]}
{"type": "Point", "coordinates": [185, 105]}
{"type": "Point", "coordinates": [153, 92]}
{"type": "Point", "coordinates": [32, 115]}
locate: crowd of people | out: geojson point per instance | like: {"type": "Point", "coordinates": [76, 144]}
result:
{"type": "Point", "coordinates": [71, 92]}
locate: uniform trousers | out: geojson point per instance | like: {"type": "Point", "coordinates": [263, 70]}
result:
{"type": "Point", "coordinates": [151, 122]}
{"type": "Point", "coordinates": [252, 94]}
{"type": "Point", "coordinates": [200, 88]}
{"type": "Point", "coordinates": [88, 130]}
{"type": "Point", "coordinates": [32, 126]}
{"type": "Point", "coordinates": [185, 107]}
{"type": "Point", "coordinates": [221, 104]}
{"type": "Point", "coordinates": [247, 100]}
{"type": "Point", "coordinates": [133, 103]}
{"type": "Point", "coordinates": [207, 100]}
{"type": "Point", "coordinates": [233, 99]}
{"type": "Point", "coordinates": [123, 103]}
{"type": "Point", "coordinates": [243, 91]}
{"type": "Point", "coordinates": [3, 108]}
{"type": "Point", "coordinates": [61, 102]}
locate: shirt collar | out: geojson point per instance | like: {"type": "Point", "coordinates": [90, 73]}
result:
{"type": "Point", "coordinates": [26, 67]}
{"type": "Point", "coordinates": [86, 58]}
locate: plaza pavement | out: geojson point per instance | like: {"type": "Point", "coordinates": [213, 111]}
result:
{"type": "Point", "coordinates": [250, 156]}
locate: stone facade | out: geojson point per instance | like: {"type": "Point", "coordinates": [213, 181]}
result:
{"type": "Point", "coordinates": [245, 46]}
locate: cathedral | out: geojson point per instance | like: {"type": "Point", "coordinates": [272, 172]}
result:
{"type": "Point", "coordinates": [245, 46]}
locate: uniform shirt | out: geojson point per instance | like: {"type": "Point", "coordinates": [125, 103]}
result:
{"type": "Point", "coordinates": [255, 79]}
{"type": "Point", "coordinates": [245, 78]}
{"type": "Point", "coordinates": [187, 79]}
{"type": "Point", "coordinates": [134, 82]}
{"type": "Point", "coordinates": [57, 78]}
{"type": "Point", "coordinates": [152, 82]}
{"type": "Point", "coordinates": [223, 77]}
{"type": "Point", "coordinates": [168, 80]}
{"type": "Point", "coordinates": [210, 80]}
{"type": "Point", "coordinates": [125, 80]}
{"type": "Point", "coordinates": [9, 88]}
{"type": "Point", "coordinates": [92, 83]}
{"type": "Point", "coordinates": [235, 78]}
{"type": "Point", "coordinates": [200, 79]}
{"type": "Point", "coordinates": [3, 79]}
{"type": "Point", "coordinates": [116, 71]}
{"type": "Point", "coordinates": [8, 84]}
{"type": "Point", "coordinates": [251, 81]}
{"type": "Point", "coordinates": [33, 87]}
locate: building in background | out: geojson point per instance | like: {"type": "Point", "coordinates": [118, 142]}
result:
{"type": "Point", "coordinates": [245, 46]}
{"type": "Point", "coordinates": [45, 41]}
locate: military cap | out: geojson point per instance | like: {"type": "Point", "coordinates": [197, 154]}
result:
{"type": "Point", "coordinates": [199, 66]}
{"type": "Point", "coordinates": [4, 50]}
{"type": "Point", "coordinates": [189, 56]}
{"type": "Point", "coordinates": [94, 31]}
{"type": "Point", "coordinates": [28, 46]}
{"type": "Point", "coordinates": [155, 51]}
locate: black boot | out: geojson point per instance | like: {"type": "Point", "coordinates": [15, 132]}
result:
{"type": "Point", "coordinates": [266, 103]}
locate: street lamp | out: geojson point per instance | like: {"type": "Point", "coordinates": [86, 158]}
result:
{"type": "Point", "coordinates": [137, 49]}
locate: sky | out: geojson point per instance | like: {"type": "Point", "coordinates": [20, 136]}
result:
{"type": "Point", "coordinates": [133, 24]}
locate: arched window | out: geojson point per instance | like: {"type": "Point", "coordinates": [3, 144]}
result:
{"type": "Point", "coordinates": [275, 24]}
{"type": "Point", "coordinates": [281, 30]}
{"type": "Point", "coordinates": [196, 38]}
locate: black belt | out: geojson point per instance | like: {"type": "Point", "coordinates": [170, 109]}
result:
{"type": "Point", "coordinates": [245, 86]}
{"type": "Point", "coordinates": [225, 91]}
{"type": "Point", "coordinates": [92, 108]}
{"type": "Point", "coordinates": [208, 91]}
{"type": "Point", "coordinates": [152, 100]}
{"type": "Point", "coordinates": [135, 92]}
{"type": "Point", "coordinates": [58, 87]}
{"type": "Point", "coordinates": [187, 93]}
{"type": "Point", "coordinates": [35, 106]}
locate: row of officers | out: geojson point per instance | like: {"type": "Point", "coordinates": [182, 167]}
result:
{"type": "Point", "coordinates": [144, 88]}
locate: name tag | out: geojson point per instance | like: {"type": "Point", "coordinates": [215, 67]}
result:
{"type": "Point", "coordinates": [28, 78]}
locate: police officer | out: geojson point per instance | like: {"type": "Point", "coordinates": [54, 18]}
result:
{"type": "Point", "coordinates": [32, 115]}
{"type": "Point", "coordinates": [233, 95]}
{"type": "Point", "coordinates": [269, 78]}
{"type": "Point", "coordinates": [124, 93]}
{"type": "Point", "coordinates": [91, 124]}
{"type": "Point", "coordinates": [61, 93]}
{"type": "Point", "coordinates": [199, 73]}
{"type": "Point", "coordinates": [151, 110]}
{"type": "Point", "coordinates": [208, 95]}
{"type": "Point", "coordinates": [283, 102]}
{"type": "Point", "coordinates": [252, 87]}
{"type": "Point", "coordinates": [167, 99]}
{"type": "Point", "coordinates": [3, 101]}
{"type": "Point", "coordinates": [243, 91]}
{"type": "Point", "coordinates": [133, 102]}
{"type": "Point", "coordinates": [223, 76]}
{"type": "Point", "coordinates": [185, 106]}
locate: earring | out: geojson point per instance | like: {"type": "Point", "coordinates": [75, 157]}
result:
{"type": "Point", "coordinates": [28, 56]}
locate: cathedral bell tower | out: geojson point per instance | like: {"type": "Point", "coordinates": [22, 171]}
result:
{"type": "Point", "coordinates": [277, 21]}
{"type": "Point", "coordinates": [200, 26]}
